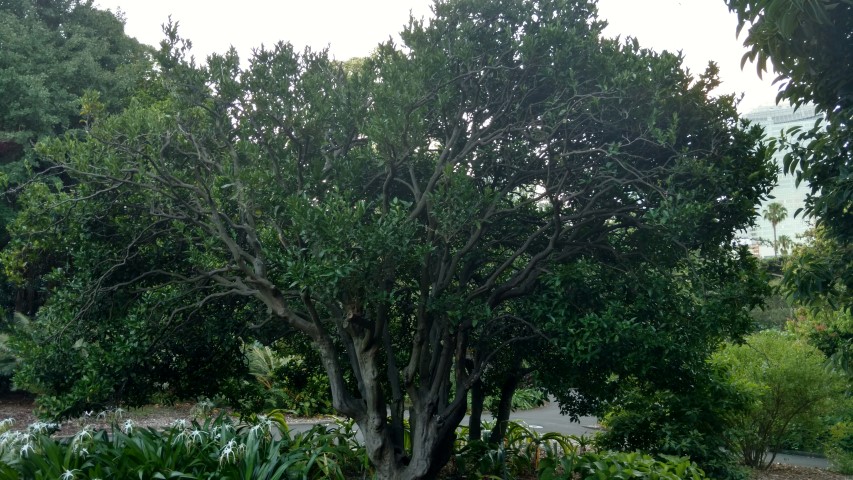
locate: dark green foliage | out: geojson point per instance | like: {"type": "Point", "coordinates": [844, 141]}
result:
{"type": "Point", "coordinates": [775, 314]}
{"type": "Point", "coordinates": [140, 347]}
{"type": "Point", "coordinates": [656, 322]}
{"type": "Point", "coordinates": [53, 54]}
{"type": "Point", "coordinates": [527, 454]}
{"type": "Point", "coordinates": [412, 214]}
{"type": "Point", "coordinates": [695, 420]}
{"type": "Point", "coordinates": [288, 377]}
{"type": "Point", "coordinates": [643, 364]}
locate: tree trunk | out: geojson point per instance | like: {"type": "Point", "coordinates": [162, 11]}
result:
{"type": "Point", "coordinates": [510, 384]}
{"type": "Point", "coordinates": [475, 421]}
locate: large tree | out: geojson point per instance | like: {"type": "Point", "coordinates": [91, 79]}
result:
{"type": "Point", "coordinates": [808, 43]}
{"type": "Point", "coordinates": [401, 211]}
{"type": "Point", "coordinates": [53, 53]}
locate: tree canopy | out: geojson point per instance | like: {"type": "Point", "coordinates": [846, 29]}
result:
{"type": "Point", "coordinates": [396, 211]}
{"type": "Point", "coordinates": [53, 54]}
{"type": "Point", "coordinates": [809, 44]}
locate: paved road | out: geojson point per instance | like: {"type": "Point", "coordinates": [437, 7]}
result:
{"type": "Point", "coordinates": [549, 419]}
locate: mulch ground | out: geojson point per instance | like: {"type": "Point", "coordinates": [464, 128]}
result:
{"type": "Point", "coordinates": [791, 472]}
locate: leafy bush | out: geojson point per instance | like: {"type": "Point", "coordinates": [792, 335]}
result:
{"type": "Point", "coordinates": [522, 399]}
{"type": "Point", "coordinates": [289, 381]}
{"type": "Point", "coordinates": [551, 456]}
{"type": "Point", "coordinates": [695, 422]}
{"type": "Point", "coordinates": [7, 363]}
{"type": "Point", "coordinates": [126, 358]}
{"type": "Point", "coordinates": [616, 465]}
{"type": "Point", "coordinates": [839, 447]}
{"type": "Point", "coordinates": [519, 455]}
{"type": "Point", "coordinates": [788, 383]}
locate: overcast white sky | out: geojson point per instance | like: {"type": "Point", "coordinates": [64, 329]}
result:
{"type": "Point", "coordinates": [703, 30]}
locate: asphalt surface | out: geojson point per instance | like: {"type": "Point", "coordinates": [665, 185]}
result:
{"type": "Point", "coordinates": [549, 419]}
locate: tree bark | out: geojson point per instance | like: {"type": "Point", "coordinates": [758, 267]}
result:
{"type": "Point", "coordinates": [475, 421]}
{"type": "Point", "coordinates": [510, 384]}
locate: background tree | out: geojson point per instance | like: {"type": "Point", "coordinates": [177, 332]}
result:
{"type": "Point", "coordinates": [809, 45]}
{"type": "Point", "coordinates": [53, 54]}
{"type": "Point", "coordinates": [785, 244]}
{"type": "Point", "coordinates": [397, 214]}
{"type": "Point", "coordinates": [775, 213]}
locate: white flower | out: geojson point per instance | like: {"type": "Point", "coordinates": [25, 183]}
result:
{"type": "Point", "coordinates": [227, 453]}
{"type": "Point", "coordinates": [43, 428]}
{"type": "Point", "coordinates": [27, 447]}
{"type": "Point", "coordinates": [196, 435]}
{"type": "Point", "coordinates": [83, 434]}
{"type": "Point", "coordinates": [180, 423]}
{"type": "Point", "coordinates": [6, 424]}
{"type": "Point", "coordinates": [68, 475]}
{"type": "Point", "coordinates": [128, 426]}
{"type": "Point", "coordinates": [231, 451]}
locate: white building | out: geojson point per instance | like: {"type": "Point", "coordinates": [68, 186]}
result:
{"type": "Point", "coordinates": [775, 119]}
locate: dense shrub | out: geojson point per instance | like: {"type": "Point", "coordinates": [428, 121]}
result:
{"type": "Point", "coordinates": [788, 383]}
{"type": "Point", "coordinates": [289, 380]}
{"type": "Point", "coordinates": [696, 422]}
{"type": "Point", "coordinates": [526, 453]}
{"type": "Point", "coordinates": [839, 447]}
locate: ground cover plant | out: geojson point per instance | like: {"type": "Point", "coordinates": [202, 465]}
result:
{"type": "Point", "coordinates": [216, 448]}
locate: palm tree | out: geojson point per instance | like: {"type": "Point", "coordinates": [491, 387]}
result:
{"type": "Point", "coordinates": [775, 213]}
{"type": "Point", "coordinates": [785, 244]}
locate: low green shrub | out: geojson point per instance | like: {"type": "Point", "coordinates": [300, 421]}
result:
{"type": "Point", "coordinates": [788, 383]}
{"type": "Point", "coordinates": [518, 456]}
{"type": "Point", "coordinates": [526, 453]}
{"type": "Point", "coordinates": [619, 465]}
{"type": "Point", "coordinates": [839, 447]}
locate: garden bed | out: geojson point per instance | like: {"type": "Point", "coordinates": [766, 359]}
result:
{"type": "Point", "coordinates": [21, 407]}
